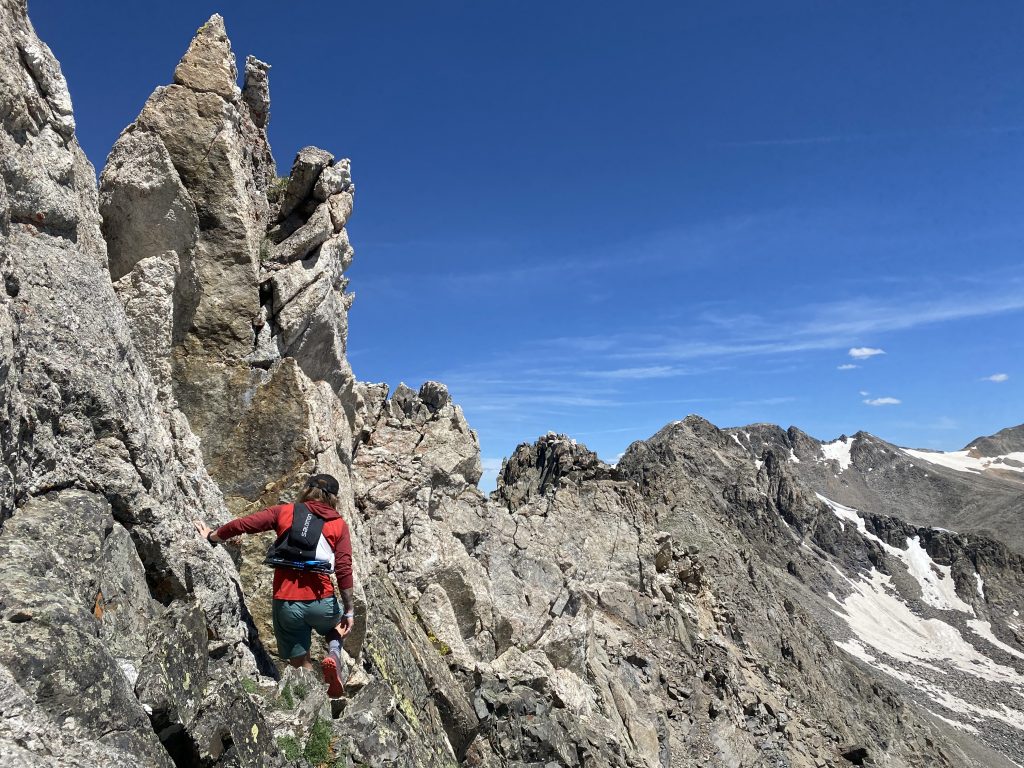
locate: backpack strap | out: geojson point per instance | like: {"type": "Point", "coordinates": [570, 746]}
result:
{"type": "Point", "coordinates": [306, 529]}
{"type": "Point", "coordinates": [296, 547]}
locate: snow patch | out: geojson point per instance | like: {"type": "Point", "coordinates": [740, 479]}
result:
{"type": "Point", "coordinates": [938, 588]}
{"type": "Point", "coordinates": [957, 724]}
{"type": "Point", "coordinates": [980, 585]}
{"type": "Point", "coordinates": [881, 620]}
{"type": "Point", "coordinates": [849, 514]}
{"type": "Point", "coordinates": [963, 461]}
{"type": "Point", "coordinates": [838, 450]}
{"type": "Point", "coordinates": [984, 629]}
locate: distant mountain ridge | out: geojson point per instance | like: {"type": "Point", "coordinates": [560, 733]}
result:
{"type": "Point", "coordinates": [1005, 441]}
{"type": "Point", "coordinates": [979, 490]}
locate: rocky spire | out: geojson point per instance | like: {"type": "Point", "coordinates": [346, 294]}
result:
{"type": "Point", "coordinates": [256, 91]}
{"type": "Point", "coordinates": [209, 64]}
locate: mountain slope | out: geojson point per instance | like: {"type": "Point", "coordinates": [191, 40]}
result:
{"type": "Point", "coordinates": [921, 487]}
{"type": "Point", "coordinates": [1003, 442]}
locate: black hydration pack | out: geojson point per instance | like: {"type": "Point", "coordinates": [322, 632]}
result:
{"type": "Point", "coordinates": [296, 547]}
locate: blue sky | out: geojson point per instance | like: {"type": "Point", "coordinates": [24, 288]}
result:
{"type": "Point", "coordinates": [598, 218]}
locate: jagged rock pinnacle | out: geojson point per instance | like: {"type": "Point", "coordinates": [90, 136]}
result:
{"type": "Point", "coordinates": [256, 91]}
{"type": "Point", "coordinates": [209, 64]}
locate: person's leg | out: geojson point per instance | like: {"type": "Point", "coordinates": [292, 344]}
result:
{"type": "Point", "coordinates": [324, 617]}
{"type": "Point", "coordinates": [292, 632]}
{"type": "Point", "coordinates": [302, 661]}
{"type": "Point", "coordinates": [333, 638]}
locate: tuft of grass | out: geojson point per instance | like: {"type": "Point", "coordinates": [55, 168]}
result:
{"type": "Point", "coordinates": [289, 747]}
{"type": "Point", "coordinates": [286, 701]}
{"type": "Point", "coordinates": [318, 746]}
{"type": "Point", "coordinates": [276, 188]}
{"type": "Point", "coordinates": [301, 691]}
{"type": "Point", "coordinates": [249, 686]}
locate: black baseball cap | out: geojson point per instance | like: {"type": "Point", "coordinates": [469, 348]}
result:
{"type": "Point", "coordinates": [325, 483]}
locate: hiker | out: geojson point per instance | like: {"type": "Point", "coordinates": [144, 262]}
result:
{"type": "Point", "coordinates": [313, 540]}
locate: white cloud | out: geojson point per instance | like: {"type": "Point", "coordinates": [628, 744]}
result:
{"type": "Point", "coordinates": [998, 378]}
{"type": "Point", "coordinates": [883, 401]}
{"type": "Point", "coordinates": [847, 366]}
{"type": "Point", "coordinates": [864, 393]}
{"type": "Point", "coordinates": [863, 353]}
{"type": "Point", "coordinates": [644, 372]}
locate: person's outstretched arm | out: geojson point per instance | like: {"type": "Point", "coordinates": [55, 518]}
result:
{"type": "Point", "coordinates": [257, 522]}
{"type": "Point", "coordinates": [343, 572]}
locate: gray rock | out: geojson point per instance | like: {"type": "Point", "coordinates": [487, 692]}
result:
{"type": "Point", "coordinates": [341, 209]}
{"type": "Point", "coordinates": [304, 240]}
{"type": "Point", "coordinates": [209, 64]}
{"type": "Point", "coordinates": [151, 229]}
{"type": "Point", "coordinates": [333, 180]}
{"type": "Point", "coordinates": [86, 441]}
{"type": "Point", "coordinates": [679, 608]}
{"type": "Point", "coordinates": [256, 91]}
{"type": "Point", "coordinates": [306, 169]}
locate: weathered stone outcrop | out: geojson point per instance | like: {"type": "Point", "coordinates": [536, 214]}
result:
{"type": "Point", "coordinates": [235, 299]}
{"type": "Point", "coordinates": [100, 475]}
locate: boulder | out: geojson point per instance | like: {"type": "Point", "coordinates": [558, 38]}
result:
{"type": "Point", "coordinates": [333, 180]}
{"type": "Point", "coordinates": [306, 169]}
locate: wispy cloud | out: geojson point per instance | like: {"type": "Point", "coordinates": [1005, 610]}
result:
{"type": "Point", "coordinates": [489, 479]}
{"type": "Point", "coordinates": [492, 464]}
{"type": "Point", "coordinates": [766, 401]}
{"type": "Point", "coordinates": [863, 353]}
{"type": "Point", "coordinates": [515, 262]}
{"type": "Point", "coordinates": [644, 372]}
{"type": "Point", "coordinates": [998, 378]}
{"type": "Point", "coordinates": [812, 327]}
{"type": "Point", "coordinates": [655, 369]}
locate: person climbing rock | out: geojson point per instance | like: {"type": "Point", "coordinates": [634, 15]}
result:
{"type": "Point", "coordinates": [313, 540]}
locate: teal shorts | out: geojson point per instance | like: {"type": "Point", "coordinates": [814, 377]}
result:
{"type": "Point", "coordinates": [295, 620]}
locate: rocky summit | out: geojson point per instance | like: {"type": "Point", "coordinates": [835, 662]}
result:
{"type": "Point", "coordinates": [173, 345]}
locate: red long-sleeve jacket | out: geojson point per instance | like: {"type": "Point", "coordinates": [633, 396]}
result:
{"type": "Point", "coordinates": [290, 584]}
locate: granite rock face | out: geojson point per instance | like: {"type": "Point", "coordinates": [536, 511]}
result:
{"type": "Point", "coordinates": [101, 475]}
{"type": "Point", "coordinates": [174, 346]}
{"type": "Point", "coordinates": [237, 304]}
